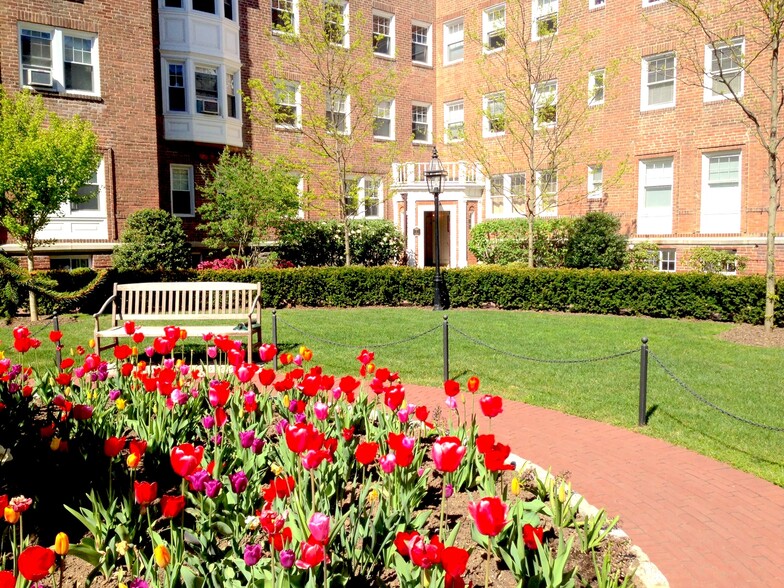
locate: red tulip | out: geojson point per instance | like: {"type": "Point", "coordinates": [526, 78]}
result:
{"type": "Point", "coordinates": [454, 561]}
{"type": "Point", "coordinates": [266, 376]}
{"type": "Point", "coordinates": [473, 384]}
{"type": "Point", "coordinates": [172, 333]}
{"type": "Point", "coordinates": [348, 433]}
{"type": "Point", "coordinates": [66, 363]}
{"type": "Point", "coordinates": [55, 336]}
{"type": "Point", "coordinates": [278, 488]}
{"type": "Point", "coordinates": [495, 453]}
{"type": "Point", "coordinates": [489, 515]}
{"type": "Point", "coordinates": [267, 352]}
{"type": "Point", "coordinates": [162, 345]}
{"type": "Point", "coordinates": [130, 327]}
{"type": "Point", "coordinates": [491, 406]}
{"type": "Point", "coordinates": [7, 579]}
{"type": "Point", "coordinates": [302, 436]}
{"type": "Point", "coordinates": [145, 492]}
{"type": "Point", "coordinates": [63, 379]}
{"type": "Point", "coordinates": [219, 392]}
{"type": "Point", "coordinates": [171, 506]}
{"type": "Point", "coordinates": [312, 554]}
{"type": "Point", "coordinates": [280, 540]}
{"type": "Point", "coordinates": [138, 447]}
{"type": "Point", "coordinates": [401, 541]}
{"type": "Point", "coordinates": [35, 562]}
{"type": "Point", "coordinates": [113, 446]}
{"type": "Point", "coordinates": [138, 337]}
{"type": "Point", "coordinates": [3, 501]}
{"type": "Point", "coordinates": [348, 384]}
{"type": "Point", "coordinates": [126, 369]}
{"type": "Point", "coordinates": [394, 397]}
{"type": "Point", "coordinates": [425, 555]}
{"type": "Point", "coordinates": [366, 453]}
{"type": "Point", "coordinates": [447, 453]}
{"type": "Point", "coordinates": [185, 458]}
{"type": "Point", "coordinates": [122, 352]}
{"type": "Point", "coordinates": [451, 388]}
{"type": "Point", "coordinates": [82, 412]}
{"type": "Point", "coordinates": [531, 534]}
{"type": "Point", "coordinates": [365, 357]}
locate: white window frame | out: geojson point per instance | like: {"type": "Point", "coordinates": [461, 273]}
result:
{"type": "Point", "coordinates": [390, 116]}
{"type": "Point", "coordinates": [429, 108]}
{"type": "Point", "coordinates": [185, 81]}
{"type": "Point", "coordinates": [428, 42]}
{"type": "Point", "coordinates": [708, 216]}
{"type": "Point", "coordinates": [509, 208]}
{"type": "Point", "coordinates": [362, 206]}
{"type": "Point", "coordinates": [300, 195]}
{"type": "Point", "coordinates": [449, 108]}
{"type": "Point", "coordinates": [710, 77]}
{"type": "Point", "coordinates": [645, 85]}
{"type": "Point", "coordinates": [71, 259]}
{"type": "Point", "coordinates": [221, 107]}
{"type": "Point", "coordinates": [391, 25]}
{"type": "Point", "coordinates": [66, 210]}
{"type": "Point", "coordinates": [667, 257]}
{"type": "Point", "coordinates": [294, 12]}
{"type": "Point", "coordinates": [191, 188]}
{"type": "Point", "coordinates": [540, 209]}
{"type": "Point", "coordinates": [646, 3]}
{"type": "Point", "coordinates": [491, 23]}
{"type": "Point", "coordinates": [343, 101]}
{"type": "Point", "coordinates": [290, 88]}
{"type": "Point", "coordinates": [343, 5]}
{"type": "Point", "coordinates": [454, 38]}
{"type": "Point", "coordinates": [595, 189]}
{"type": "Point", "coordinates": [540, 12]}
{"type": "Point", "coordinates": [593, 77]}
{"type": "Point", "coordinates": [545, 94]}
{"type": "Point", "coordinates": [57, 51]}
{"type": "Point", "coordinates": [487, 131]}
{"type": "Point", "coordinates": [658, 218]}
{"type": "Point", "coordinates": [594, 4]}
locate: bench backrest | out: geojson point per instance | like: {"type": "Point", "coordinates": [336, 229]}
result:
{"type": "Point", "coordinates": [186, 300]}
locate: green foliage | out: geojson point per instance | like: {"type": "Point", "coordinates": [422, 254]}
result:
{"type": "Point", "coordinates": [643, 256]}
{"type": "Point", "coordinates": [505, 241]}
{"type": "Point", "coordinates": [309, 243]}
{"type": "Point", "coordinates": [596, 243]}
{"type": "Point", "coordinates": [16, 283]}
{"type": "Point", "coordinates": [44, 160]}
{"type": "Point", "coordinates": [244, 198]}
{"type": "Point", "coordinates": [152, 240]}
{"type": "Point", "coordinates": [715, 261]}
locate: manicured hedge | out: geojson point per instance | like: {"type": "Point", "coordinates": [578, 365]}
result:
{"type": "Point", "coordinates": [657, 294]}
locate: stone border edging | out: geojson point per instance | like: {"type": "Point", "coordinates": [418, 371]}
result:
{"type": "Point", "coordinates": [647, 574]}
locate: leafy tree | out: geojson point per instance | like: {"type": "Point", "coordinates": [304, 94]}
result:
{"type": "Point", "coordinates": [44, 160]}
{"type": "Point", "coordinates": [749, 74]}
{"type": "Point", "coordinates": [245, 197]}
{"type": "Point", "coordinates": [715, 261]}
{"type": "Point", "coordinates": [340, 87]}
{"type": "Point", "coordinates": [643, 256]}
{"type": "Point", "coordinates": [505, 241]}
{"type": "Point", "coordinates": [596, 243]}
{"type": "Point", "coordinates": [152, 240]}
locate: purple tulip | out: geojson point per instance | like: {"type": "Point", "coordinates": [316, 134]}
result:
{"type": "Point", "coordinates": [257, 446]}
{"type": "Point", "coordinates": [198, 480]}
{"type": "Point", "coordinates": [114, 395]}
{"type": "Point", "coordinates": [239, 482]}
{"type": "Point", "coordinates": [247, 438]}
{"type": "Point", "coordinates": [448, 491]}
{"type": "Point", "coordinates": [208, 422]}
{"type": "Point", "coordinates": [252, 554]}
{"type": "Point", "coordinates": [287, 558]}
{"type": "Point", "coordinates": [281, 426]}
{"type": "Point", "coordinates": [212, 488]}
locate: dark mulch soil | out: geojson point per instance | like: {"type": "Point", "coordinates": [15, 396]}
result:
{"type": "Point", "coordinates": [754, 335]}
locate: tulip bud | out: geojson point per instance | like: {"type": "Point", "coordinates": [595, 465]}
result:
{"type": "Point", "coordinates": [515, 487]}
{"type": "Point", "coordinates": [562, 492]}
{"type": "Point", "coordinates": [10, 515]}
{"type": "Point", "coordinates": [276, 469]}
{"type": "Point", "coordinates": [162, 556]}
{"type": "Point", "coordinates": [91, 344]}
{"type": "Point", "coordinates": [61, 544]}
{"type": "Point", "coordinates": [132, 461]}
{"type": "Point", "coordinates": [54, 444]}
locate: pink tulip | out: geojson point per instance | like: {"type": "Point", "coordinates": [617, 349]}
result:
{"type": "Point", "coordinates": [319, 527]}
{"type": "Point", "coordinates": [321, 410]}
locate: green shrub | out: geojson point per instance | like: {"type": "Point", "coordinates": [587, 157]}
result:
{"type": "Point", "coordinates": [320, 243]}
{"type": "Point", "coordinates": [596, 243]}
{"type": "Point", "coordinates": [152, 240]}
{"type": "Point", "coordinates": [643, 256]}
{"type": "Point", "coordinates": [714, 261]}
{"type": "Point", "coordinates": [505, 241]}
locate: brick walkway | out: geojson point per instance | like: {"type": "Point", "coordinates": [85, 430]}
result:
{"type": "Point", "coordinates": [700, 521]}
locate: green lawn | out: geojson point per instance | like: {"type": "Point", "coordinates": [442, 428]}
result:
{"type": "Point", "coordinates": [743, 380]}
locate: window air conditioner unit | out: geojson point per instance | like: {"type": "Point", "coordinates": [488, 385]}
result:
{"type": "Point", "coordinates": [210, 107]}
{"type": "Point", "coordinates": [38, 77]}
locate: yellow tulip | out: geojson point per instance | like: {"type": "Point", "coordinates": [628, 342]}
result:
{"type": "Point", "coordinates": [276, 469]}
{"type": "Point", "coordinates": [135, 350]}
{"type": "Point", "coordinates": [562, 492]}
{"type": "Point", "coordinates": [286, 400]}
{"type": "Point", "coordinates": [91, 344]}
{"type": "Point", "coordinates": [515, 486]}
{"type": "Point", "coordinates": [132, 460]}
{"type": "Point", "coordinates": [162, 556]}
{"type": "Point", "coordinates": [120, 404]}
{"type": "Point", "coordinates": [54, 444]}
{"type": "Point", "coordinates": [67, 391]}
{"type": "Point", "coordinates": [122, 548]}
{"type": "Point", "coordinates": [2, 354]}
{"type": "Point", "coordinates": [10, 515]}
{"type": "Point", "coordinates": [372, 496]}
{"type": "Point", "coordinates": [61, 544]}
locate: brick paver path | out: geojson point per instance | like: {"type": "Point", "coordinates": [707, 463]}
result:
{"type": "Point", "coordinates": [703, 523]}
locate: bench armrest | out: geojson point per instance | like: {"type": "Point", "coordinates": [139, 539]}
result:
{"type": "Point", "coordinates": [97, 315]}
{"type": "Point", "coordinates": [254, 306]}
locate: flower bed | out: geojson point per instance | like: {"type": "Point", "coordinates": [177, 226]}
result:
{"type": "Point", "coordinates": [233, 474]}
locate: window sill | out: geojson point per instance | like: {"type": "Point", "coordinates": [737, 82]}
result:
{"type": "Point", "coordinates": [384, 56]}
{"type": "Point", "coordinates": [658, 108]}
{"type": "Point", "coordinates": [597, 8]}
{"type": "Point", "coordinates": [455, 62]}
{"type": "Point", "coordinates": [64, 94]}
{"type": "Point", "coordinates": [384, 139]}
{"type": "Point", "coordinates": [720, 99]}
{"type": "Point", "coordinates": [184, 215]}
{"type": "Point", "coordinates": [288, 129]}
{"type": "Point", "coordinates": [487, 51]}
{"type": "Point", "coordinates": [493, 135]}
{"type": "Point", "coordinates": [595, 104]}
{"type": "Point", "coordinates": [428, 143]}
{"type": "Point", "coordinates": [422, 64]}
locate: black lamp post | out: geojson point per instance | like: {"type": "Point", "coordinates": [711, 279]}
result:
{"type": "Point", "coordinates": [434, 176]}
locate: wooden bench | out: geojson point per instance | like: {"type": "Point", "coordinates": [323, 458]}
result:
{"type": "Point", "coordinates": [235, 307]}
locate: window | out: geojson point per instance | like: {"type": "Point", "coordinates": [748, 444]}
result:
{"type": "Point", "coordinates": [228, 9]}
{"type": "Point", "coordinates": [371, 197]}
{"type": "Point", "coordinates": [545, 18]}
{"type": "Point", "coordinates": [720, 201]}
{"type": "Point", "coordinates": [420, 123]}
{"type": "Point", "coordinates": [545, 100]}
{"type": "Point", "coordinates": [595, 181]}
{"type": "Point", "coordinates": [420, 43]}
{"type": "Point", "coordinates": [383, 34]}
{"type": "Point", "coordinates": [336, 22]}
{"type": "Point", "coordinates": [173, 3]}
{"type": "Point", "coordinates": [337, 112]}
{"type": "Point", "coordinates": [494, 27]}
{"type": "Point", "coordinates": [284, 18]}
{"type": "Point", "coordinates": [58, 59]}
{"type": "Point", "coordinates": [517, 193]}
{"type": "Point", "coordinates": [596, 87]}
{"type": "Point", "coordinates": [453, 41]}
{"type": "Point", "coordinates": [384, 127]}
{"type": "Point", "coordinates": [454, 122]}
{"type": "Point", "coordinates": [207, 91]}
{"type": "Point", "coordinates": [494, 114]}
{"type": "Point", "coordinates": [182, 193]}
{"type": "Point", "coordinates": [70, 262]}
{"type": "Point", "coordinates": [497, 195]}
{"type": "Point", "coordinates": [547, 193]}
{"type": "Point", "coordinates": [507, 195]}
{"type": "Point", "coordinates": [363, 196]}
{"type": "Point", "coordinates": [287, 105]}
{"type": "Point", "coordinates": [596, 4]}
{"type": "Point", "coordinates": [231, 95]}
{"type": "Point", "coordinates": [91, 189]}
{"type": "Point", "coordinates": [724, 71]}
{"type": "Point", "coordinates": [176, 87]}
{"type": "Point", "coordinates": [658, 81]}
{"type": "Point", "coordinates": [654, 212]}
{"type": "Point", "coordinates": [666, 260]}
{"type": "Point", "coordinates": [205, 6]}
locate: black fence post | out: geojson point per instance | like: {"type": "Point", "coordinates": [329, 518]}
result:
{"type": "Point", "coordinates": [643, 416]}
{"type": "Point", "coordinates": [58, 354]}
{"type": "Point", "coordinates": [275, 335]}
{"type": "Point", "coordinates": [446, 348]}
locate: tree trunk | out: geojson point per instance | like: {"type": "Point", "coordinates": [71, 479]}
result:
{"type": "Point", "coordinates": [773, 191]}
{"type": "Point", "coordinates": [33, 301]}
{"type": "Point", "coordinates": [530, 240]}
{"type": "Point", "coordinates": [346, 242]}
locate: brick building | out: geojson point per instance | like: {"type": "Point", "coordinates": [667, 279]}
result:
{"type": "Point", "coordinates": [162, 83]}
